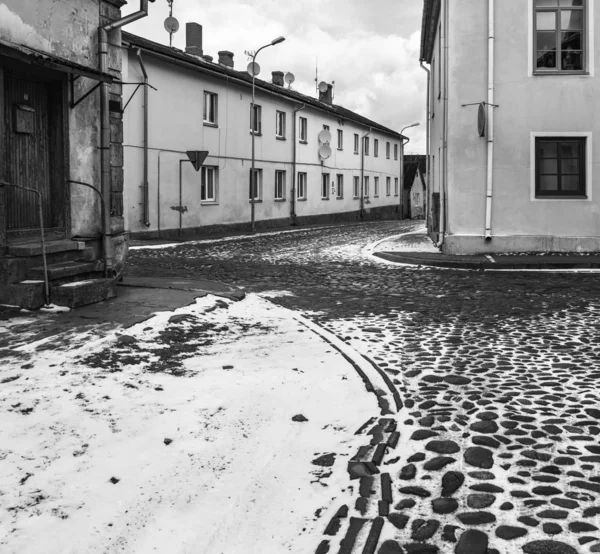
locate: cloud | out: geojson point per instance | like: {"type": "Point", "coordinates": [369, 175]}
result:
{"type": "Point", "coordinates": [370, 50]}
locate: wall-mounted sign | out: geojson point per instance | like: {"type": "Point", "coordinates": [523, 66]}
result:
{"type": "Point", "coordinates": [481, 117]}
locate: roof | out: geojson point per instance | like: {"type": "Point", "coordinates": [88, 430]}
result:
{"type": "Point", "coordinates": [177, 56]}
{"type": "Point", "coordinates": [37, 57]}
{"type": "Point", "coordinates": [431, 16]}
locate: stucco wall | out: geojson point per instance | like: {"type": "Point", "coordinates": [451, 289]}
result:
{"type": "Point", "coordinates": [175, 125]}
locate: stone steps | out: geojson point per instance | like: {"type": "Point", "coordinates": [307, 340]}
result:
{"type": "Point", "coordinates": [35, 248]}
{"type": "Point", "coordinates": [65, 270]}
{"type": "Point", "coordinates": [81, 293]}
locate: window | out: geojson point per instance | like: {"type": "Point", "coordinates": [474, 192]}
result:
{"type": "Point", "coordinates": [388, 186]}
{"type": "Point", "coordinates": [255, 192]}
{"type": "Point", "coordinates": [340, 135]}
{"type": "Point", "coordinates": [303, 129]}
{"type": "Point", "coordinates": [366, 145]}
{"type": "Point", "coordinates": [279, 185]}
{"type": "Point", "coordinates": [340, 186]}
{"type": "Point", "coordinates": [559, 36]}
{"type": "Point", "coordinates": [325, 186]}
{"type": "Point", "coordinates": [210, 108]}
{"type": "Point", "coordinates": [208, 184]}
{"type": "Point", "coordinates": [387, 150]}
{"type": "Point", "coordinates": [355, 143]}
{"type": "Point", "coordinates": [355, 190]}
{"type": "Point", "coordinates": [280, 124]}
{"type": "Point", "coordinates": [255, 120]}
{"type": "Point", "coordinates": [416, 198]}
{"type": "Point", "coordinates": [301, 194]}
{"type": "Point", "coordinates": [560, 167]}
{"type": "Point", "coordinates": [366, 185]}
{"type": "Point", "coordinates": [376, 148]}
{"type": "Point", "coordinates": [375, 186]}
{"type": "Point", "coordinates": [395, 186]}
{"type": "Point", "coordinates": [395, 151]}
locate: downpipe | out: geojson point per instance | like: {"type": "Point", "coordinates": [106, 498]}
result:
{"type": "Point", "coordinates": [105, 187]}
{"type": "Point", "coordinates": [444, 176]}
{"type": "Point", "coordinates": [427, 146]}
{"type": "Point", "coordinates": [490, 124]}
{"type": "Point", "coordinates": [145, 188]}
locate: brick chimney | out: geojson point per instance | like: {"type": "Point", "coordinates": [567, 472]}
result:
{"type": "Point", "coordinates": [226, 58]}
{"type": "Point", "coordinates": [193, 39]}
{"type": "Point", "coordinates": [327, 96]}
{"type": "Point", "coordinates": [277, 78]}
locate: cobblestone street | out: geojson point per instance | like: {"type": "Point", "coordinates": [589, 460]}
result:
{"type": "Point", "coordinates": [488, 436]}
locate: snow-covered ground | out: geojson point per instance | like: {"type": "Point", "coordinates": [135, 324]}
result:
{"type": "Point", "coordinates": [176, 435]}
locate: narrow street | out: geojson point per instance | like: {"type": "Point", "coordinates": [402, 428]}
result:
{"type": "Point", "coordinates": [493, 389]}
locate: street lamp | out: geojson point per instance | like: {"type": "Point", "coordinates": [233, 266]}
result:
{"type": "Point", "coordinates": [254, 73]}
{"type": "Point", "coordinates": [401, 193]}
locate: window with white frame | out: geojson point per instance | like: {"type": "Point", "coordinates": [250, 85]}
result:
{"type": "Point", "coordinates": [395, 151]}
{"type": "Point", "coordinates": [339, 185]}
{"type": "Point", "coordinates": [279, 185]}
{"type": "Point", "coordinates": [376, 148]}
{"type": "Point", "coordinates": [325, 186]}
{"type": "Point", "coordinates": [356, 143]}
{"type": "Point", "coordinates": [375, 186]}
{"type": "Point", "coordinates": [255, 192]}
{"type": "Point", "coordinates": [256, 120]}
{"type": "Point", "coordinates": [366, 145]}
{"type": "Point", "coordinates": [366, 185]}
{"type": "Point", "coordinates": [210, 108]}
{"type": "Point", "coordinates": [387, 150]}
{"type": "Point", "coordinates": [560, 167]}
{"type": "Point", "coordinates": [395, 186]}
{"type": "Point", "coordinates": [301, 188]}
{"type": "Point", "coordinates": [340, 139]}
{"type": "Point", "coordinates": [356, 187]}
{"type": "Point", "coordinates": [208, 184]}
{"type": "Point", "coordinates": [388, 186]}
{"type": "Point", "coordinates": [303, 129]}
{"type": "Point", "coordinates": [559, 36]}
{"type": "Point", "coordinates": [280, 124]}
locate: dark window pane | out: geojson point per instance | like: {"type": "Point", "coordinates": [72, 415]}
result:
{"type": "Point", "coordinates": [570, 40]}
{"type": "Point", "coordinates": [570, 183]}
{"type": "Point", "coordinates": [548, 183]}
{"type": "Point", "coordinates": [549, 166]}
{"type": "Point", "coordinates": [548, 149]}
{"type": "Point", "coordinates": [540, 3]}
{"type": "Point", "coordinates": [569, 167]}
{"type": "Point", "coordinates": [569, 150]}
{"type": "Point", "coordinates": [569, 3]}
{"type": "Point", "coordinates": [571, 19]}
{"type": "Point", "coordinates": [546, 60]}
{"type": "Point", "coordinates": [546, 21]}
{"type": "Point", "coordinates": [546, 40]}
{"type": "Point", "coordinates": [572, 60]}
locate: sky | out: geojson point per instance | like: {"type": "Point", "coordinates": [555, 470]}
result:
{"type": "Point", "coordinates": [370, 49]}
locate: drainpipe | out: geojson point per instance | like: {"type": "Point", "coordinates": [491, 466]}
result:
{"type": "Point", "coordinates": [105, 124]}
{"type": "Point", "coordinates": [490, 124]}
{"type": "Point", "coordinates": [362, 172]}
{"type": "Point", "coordinates": [145, 191]}
{"type": "Point", "coordinates": [427, 191]}
{"type": "Point", "coordinates": [294, 148]}
{"type": "Point", "coordinates": [444, 176]}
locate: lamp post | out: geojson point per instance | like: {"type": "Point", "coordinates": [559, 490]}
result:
{"type": "Point", "coordinates": [401, 192]}
{"type": "Point", "coordinates": [254, 72]}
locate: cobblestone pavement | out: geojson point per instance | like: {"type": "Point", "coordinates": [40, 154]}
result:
{"type": "Point", "coordinates": [495, 445]}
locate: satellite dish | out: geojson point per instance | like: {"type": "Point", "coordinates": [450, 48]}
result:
{"type": "Point", "coordinates": [253, 69]}
{"type": "Point", "coordinates": [325, 151]}
{"type": "Point", "coordinates": [325, 136]}
{"type": "Point", "coordinates": [289, 78]}
{"type": "Point", "coordinates": [171, 25]}
{"type": "Point", "coordinates": [323, 86]}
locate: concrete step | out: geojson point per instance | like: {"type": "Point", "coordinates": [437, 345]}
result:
{"type": "Point", "coordinates": [64, 270]}
{"type": "Point", "coordinates": [25, 294]}
{"type": "Point", "coordinates": [81, 293]}
{"type": "Point", "coordinates": [52, 247]}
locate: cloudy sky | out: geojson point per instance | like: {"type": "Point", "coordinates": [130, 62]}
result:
{"type": "Point", "coordinates": [370, 49]}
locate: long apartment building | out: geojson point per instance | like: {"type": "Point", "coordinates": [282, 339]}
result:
{"type": "Point", "coordinates": [314, 161]}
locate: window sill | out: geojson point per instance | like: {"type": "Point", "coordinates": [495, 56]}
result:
{"type": "Point", "coordinates": [209, 203]}
{"type": "Point", "coordinates": [559, 73]}
{"type": "Point", "coordinates": [301, 199]}
{"type": "Point", "coordinates": [339, 197]}
{"type": "Point", "coordinates": [209, 124]}
{"type": "Point", "coordinates": [280, 138]}
{"type": "Point", "coordinates": [356, 153]}
{"type": "Point", "coordinates": [356, 197]}
{"type": "Point", "coordinates": [561, 197]}
{"type": "Point", "coordinates": [340, 149]}
{"type": "Point", "coordinates": [257, 201]}
{"type": "Point", "coordinates": [256, 133]}
{"type": "Point", "coordinates": [324, 198]}
{"type": "Point", "coordinates": [279, 199]}
{"type": "Point", "coordinates": [303, 141]}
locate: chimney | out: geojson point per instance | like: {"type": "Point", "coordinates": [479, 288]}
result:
{"type": "Point", "coordinates": [327, 96]}
{"type": "Point", "coordinates": [226, 58]}
{"type": "Point", "coordinates": [277, 78]}
{"type": "Point", "coordinates": [193, 39]}
{"type": "Point", "coordinates": [207, 58]}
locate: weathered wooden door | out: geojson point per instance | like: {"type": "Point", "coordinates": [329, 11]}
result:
{"type": "Point", "coordinates": [31, 153]}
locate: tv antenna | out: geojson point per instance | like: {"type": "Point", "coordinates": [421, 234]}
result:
{"type": "Point", "coordinates": [171, 23]}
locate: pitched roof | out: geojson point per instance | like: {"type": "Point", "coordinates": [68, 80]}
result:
{"type": "Point", "coordinates": [431, 16]}
{"type": "Point", "coordinates": [178, 56]}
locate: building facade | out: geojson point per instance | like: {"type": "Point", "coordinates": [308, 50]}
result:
{"type": "Point", "coordinates": [61, 150]}
{"type": "Point", "coordinates": [314, 161]}
{"type": "Point", "coordinates": [512, 125]}
{"type": "Point", "coordinates": [415, 186]}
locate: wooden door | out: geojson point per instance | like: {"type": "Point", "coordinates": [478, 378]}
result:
{"type": "Point", "coordinates": [31, 151]}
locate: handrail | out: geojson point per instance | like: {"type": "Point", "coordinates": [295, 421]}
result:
{"type": "Point", "coordinates": [41, 215]}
